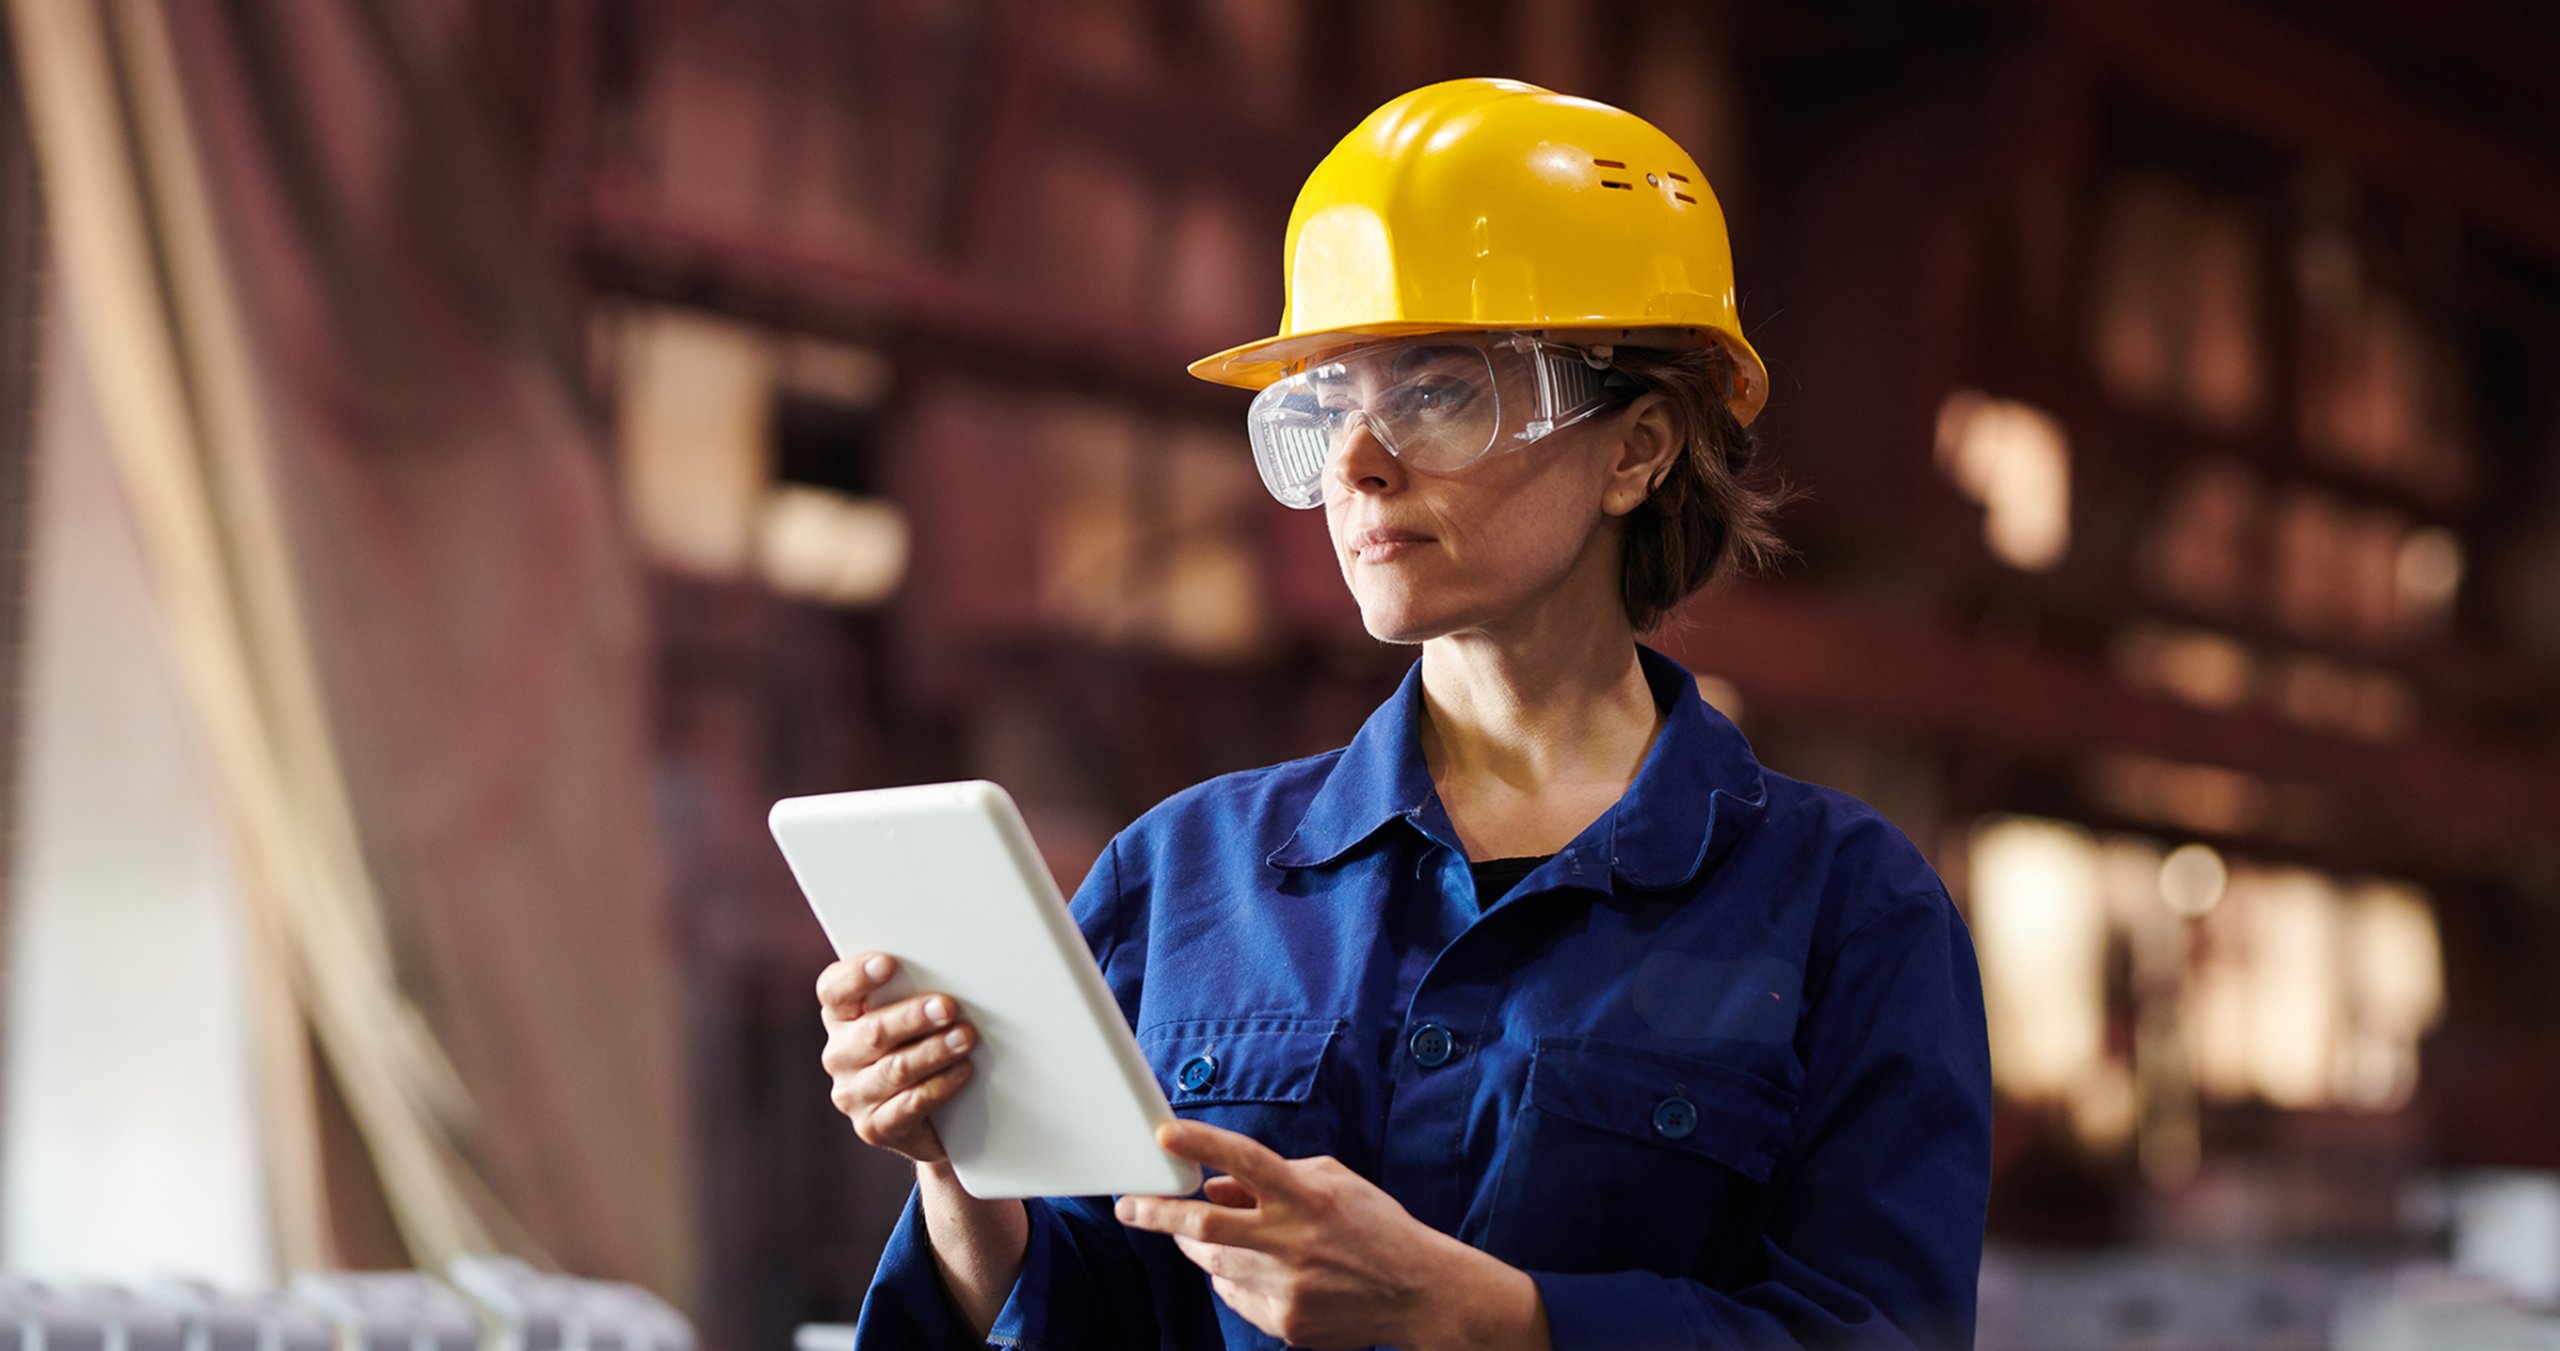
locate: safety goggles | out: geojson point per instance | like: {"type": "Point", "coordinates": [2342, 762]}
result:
{"type": "Point", "coordinates": [1438, 402]}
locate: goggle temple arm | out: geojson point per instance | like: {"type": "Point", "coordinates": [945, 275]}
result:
{"type": "Point", "coordinates": [1573, 382]}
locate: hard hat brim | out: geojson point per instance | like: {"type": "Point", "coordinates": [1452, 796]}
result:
{"type": "Point", "coordinates": [1263, 361]}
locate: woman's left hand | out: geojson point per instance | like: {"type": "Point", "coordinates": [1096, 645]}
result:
{"type": "Point", "coordinates": [1318, 1256]}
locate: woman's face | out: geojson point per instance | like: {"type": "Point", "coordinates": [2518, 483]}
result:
{"type": "Point", "coordinates": [1429, 554]}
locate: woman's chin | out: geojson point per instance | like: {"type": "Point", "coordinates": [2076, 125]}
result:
{"type": "Point", "coordinates": [1397, 635]}
{"type": "Point", "coordinates": [1393, 620]}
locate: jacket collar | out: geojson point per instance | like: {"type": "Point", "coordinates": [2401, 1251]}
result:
{"type": "Point", "coordinates": [1698, 790]}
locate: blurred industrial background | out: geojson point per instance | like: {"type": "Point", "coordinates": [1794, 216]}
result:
{"type": "Point", "coordinates": [461, 460]}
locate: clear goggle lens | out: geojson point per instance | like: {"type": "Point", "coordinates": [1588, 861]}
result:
{"type": "Point", "coordinates": [1438, 404]}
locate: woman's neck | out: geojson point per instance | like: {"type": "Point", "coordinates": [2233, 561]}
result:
{"type": "Point", "coordinates": [1530, 738]}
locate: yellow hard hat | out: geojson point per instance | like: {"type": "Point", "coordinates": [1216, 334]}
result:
{"type": "Point", "coordinates": [1493, 204]}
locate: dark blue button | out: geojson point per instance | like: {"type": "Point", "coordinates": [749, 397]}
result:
{"type": "Point", "coordinates": [1432, 1045]}
{"type": "Point", "coordinates": [1197, 1073]}
{"type": "Point", "coordinates": [1674, 1118]}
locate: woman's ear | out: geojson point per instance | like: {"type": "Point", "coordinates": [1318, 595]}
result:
{"type": "Point", "coordinates": [1647, 450]}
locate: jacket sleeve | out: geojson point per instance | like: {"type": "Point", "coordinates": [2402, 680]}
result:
{"type": "Point", "coordinates": [1080, 1286]}
{"type": "Point", "coordinates": [1872, 1235]}
{"type": "Point", "coordinates": [1083, 1283]}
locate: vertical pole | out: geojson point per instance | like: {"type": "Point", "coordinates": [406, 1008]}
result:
{"type": "Point", "coordinates": [21, 248]}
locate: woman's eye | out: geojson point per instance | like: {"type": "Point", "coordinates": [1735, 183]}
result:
{"type": "Point", "coordinates": [1433, 397]}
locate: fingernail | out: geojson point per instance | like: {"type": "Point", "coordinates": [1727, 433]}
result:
{"type": "Point", "coordinates": [877, 968]}
{"type": "Point", "coordinates": [1124, 1209]}
{"type": "Point", "coordinates": [957, 1039]}
{"type": "Point", "coordinates": [937, 1009]}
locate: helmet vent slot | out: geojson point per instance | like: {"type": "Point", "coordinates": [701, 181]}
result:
{"type": "Point", "coordinates": [1682, 178]}
{"type": "Point", "coordinates": [1610, 163]}
{"type": "Point", "coordinates": [1686, 198]}
{"type": "Point", "coordinates": [1607, 183]}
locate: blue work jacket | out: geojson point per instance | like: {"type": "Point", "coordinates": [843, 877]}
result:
{"type": "Point", "coordinates": [1714, 1075]}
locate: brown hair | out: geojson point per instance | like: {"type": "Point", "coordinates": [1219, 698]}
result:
{"type": "Point", "coordinates": [1709, 515]}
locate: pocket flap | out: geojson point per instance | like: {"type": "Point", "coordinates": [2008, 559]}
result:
{"type": "Point", "coordinates": [1727, 1114]}
{"type": "Point", "coordinates": [1215, 1060]}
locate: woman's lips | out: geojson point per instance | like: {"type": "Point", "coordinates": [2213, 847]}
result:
{"type": "Point", "coordinates": [1378, 544]}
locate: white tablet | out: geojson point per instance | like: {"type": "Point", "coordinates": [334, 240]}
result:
{"type": "Point", "coordinates": [944, 878]}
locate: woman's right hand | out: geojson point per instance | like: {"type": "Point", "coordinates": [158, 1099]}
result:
{"type": "Point", "coordinates": [894, 1064]}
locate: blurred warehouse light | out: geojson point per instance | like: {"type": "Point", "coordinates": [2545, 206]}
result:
{"type": "Point", "coordinates": [704, 465]}
{"type": "Point", "coordinates": [2201, 667]}
{"type": "Point", "coordinates": [2208, 799]}
{"type": "Point", "coordinates": [2313, 993]}
{"type": "Point", "coordinates": [2396, 969]}
{"type": "Point", "coordinates": [2294, 941]}
{"type": "Point", "coordinates": [2378, 391]}
{"type": "Point", "coordinates": [696, 403]}
{"type": "Point", "coordinates": [831, 547]}
{"type": "Point", "coordinates": [2014, 461]}
{"type": "Point", "coordinates": [2192, 878]}
{"type": "Point", "coordinates": [2176, 321]}
{"type": "Point", "coordinates": [2429, 570]}
{"type": "Point", "coordinates": [860, 377]}
{"type": "Point", "coordinates": [1146, 536]}
{"type": "Point", "coordinates": [2368, 703]}
{"type": "Point", "coordinates": [2217, 671]}
{"type": "Point", "coordinates": [2284, 986]}
{"type": "Point", "coordinates": [2040, 925]}
{"type": "Point", "coordinates": [2335, 566]}
{"type": "Point", "coordinates": [2202, 546]}
{"type": "Point", "coordinates": [2215, 1008]}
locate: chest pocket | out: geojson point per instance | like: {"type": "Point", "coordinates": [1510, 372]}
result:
{"type": "Point", "coordinates": [1255, 1076]}
{"type": "Point", "coordinates": [1624, 1158]}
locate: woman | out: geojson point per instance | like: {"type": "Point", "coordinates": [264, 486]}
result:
{"type": "Point", "coordinates": [1541, 1014]}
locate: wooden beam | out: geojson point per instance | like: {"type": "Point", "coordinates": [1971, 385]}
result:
{"type": "Point", "coordinates": [2305, 91]}
{"type": "Point", "coordinates": [1800, 652]}
{"type": "Point", "coordinates": [928, 315]}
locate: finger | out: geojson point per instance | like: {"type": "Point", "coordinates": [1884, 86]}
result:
{"type": "Point", "coordinates": [1242, 1156]}
{"type": "Point", "coordinates": [924, 1098]}
{"type": "Point", "coordinates": [845, 986]}
{"type": "Point", "coordinates": [887, 1028]}
{"type": "Point", "coordinates": [1212, 1258]}
{"type": "Point", "coordinates": [868, 1041]}
{"type": "Point", "coordinates": [900, 1112]}
{"type": "Point", "coordinates": [1227, 1191]}
{"type": "Point", "coordinates": [1222, 1225]}
{"type": "Point", "coordinates": [923, 1058]}
{"type": "Point", "coordinates": [913, 1138]}
{"type": "Point", "coordinates": [1243, 1268]}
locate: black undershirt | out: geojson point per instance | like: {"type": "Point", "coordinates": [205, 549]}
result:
{"type": "Point", "coordinates": [1495, 877]}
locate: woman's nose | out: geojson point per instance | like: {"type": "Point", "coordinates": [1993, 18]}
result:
{"type": "Point", "coordinates": [1361, 462]}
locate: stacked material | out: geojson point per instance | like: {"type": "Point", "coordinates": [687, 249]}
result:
{"type": "Point", "coordinates": [492, 1304]}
